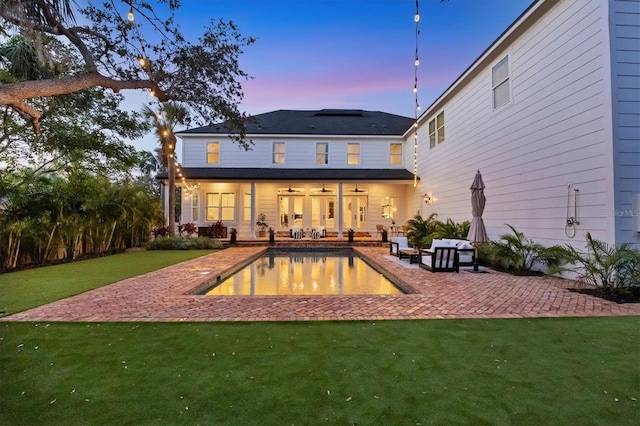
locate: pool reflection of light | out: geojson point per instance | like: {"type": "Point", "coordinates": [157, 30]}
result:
{"type": "Point", "coordinates": [306, 274]}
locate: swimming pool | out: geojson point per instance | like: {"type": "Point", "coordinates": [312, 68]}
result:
{"type": "Point", "coordinates": [305, 273]}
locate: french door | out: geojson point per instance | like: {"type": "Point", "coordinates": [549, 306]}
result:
{"type": "Point", "coordinates": [323, 211]}
{"type": "Point", "coordinates": [291, 210]}
{"type": "Point", "coordinates": [355, 212]}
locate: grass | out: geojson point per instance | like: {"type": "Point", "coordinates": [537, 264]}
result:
{"type": "Point", "coordinates": [569, 371]}
{"type": "Point", "coordinates": [29, 288]}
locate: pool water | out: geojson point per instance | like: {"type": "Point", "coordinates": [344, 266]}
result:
{"type": "Point", "coordinates": [305, 273]}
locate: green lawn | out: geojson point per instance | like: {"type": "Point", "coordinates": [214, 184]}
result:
{"type": "Point", "coordinates": [34, 287]}
{"type": "Point", "coordinates": [564, 371]}
{"type": "Point", "coordinates": [568, 371]}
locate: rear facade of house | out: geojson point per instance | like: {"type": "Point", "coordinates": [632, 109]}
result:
{"type": "Point", "coordinates": [549, 113]}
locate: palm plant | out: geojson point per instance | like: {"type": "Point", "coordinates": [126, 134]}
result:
{"type": "Point", "coordinates": [165, 120]}
{"type": "Point", "coordinates": [520, 254]}
{"type": "Point", "coordinates": [450, 229]}
{"type": "Point", "coordinates": [420, 230]}
{"type": "Point", "coordinates": [615, 270]}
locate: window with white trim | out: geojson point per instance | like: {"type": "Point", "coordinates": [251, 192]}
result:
{"type": "Point", "coordinates": [395, 153]}
{"type": "Point", "coordinates": [246, 207]}
{"type": "Point", "coordinates": [221, 206]}
{"type": "Point", "coordinates": [213, 153]}
{"type": "Point", "coordinates": [436, 130]}
{"type": "Point", "coordinates": [500, 83]}
{"type": "Point", "coordinates": [194, 207]}
{"type": "Point", "coordinates": [322, 153]}
{"type": "Point", "coordinates": [353, 153]}
{"type": "Point", "coordinates": [278, 153]}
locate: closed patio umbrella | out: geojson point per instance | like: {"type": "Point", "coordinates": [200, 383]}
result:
{"type": "Point", "coordinates": [477, 231]}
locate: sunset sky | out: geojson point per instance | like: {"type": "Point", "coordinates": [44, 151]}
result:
{"type": "Point", "coordinates": [313, 54]}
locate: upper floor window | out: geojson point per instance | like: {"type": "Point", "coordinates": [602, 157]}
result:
{"type": "Point", "coordinates": [395, 153]}
{"type": "Point", "coordinates": [436, 130]}
{"type": "Point", "coordinates": [221, 206]}
{"type": "Point", "coordinates": [278, 153]}
{"type": "Point", "coordinates": [322, 153]}
{"type": "Point", "coordinates": [213, 153]}
{"type": "Point", "coordinates": [500, 82]}
{"type": "Point", "coordinates": [353, 153]}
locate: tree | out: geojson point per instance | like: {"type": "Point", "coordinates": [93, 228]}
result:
{"type": "Point", "coordinates": [165, 121]}
{"type": "Point", "coordinates": [118, 54]}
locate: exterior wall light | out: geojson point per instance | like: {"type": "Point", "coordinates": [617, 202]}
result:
{"type": "Point", "coordinates": [426, 198]}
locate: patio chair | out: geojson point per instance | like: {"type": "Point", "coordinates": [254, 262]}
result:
{"type": "Point", "coordinates": [397, 244]}
{"type": "Point", "coordinates": [440, 259]}
{"type": "Point", "coordinates": [296, 232]}
{"type": "Point", "coordinates": [379, 229]}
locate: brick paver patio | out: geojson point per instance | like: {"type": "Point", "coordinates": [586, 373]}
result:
{"type": "Point", "coordinates": [169, 295]}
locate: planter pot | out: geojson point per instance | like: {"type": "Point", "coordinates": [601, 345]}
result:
{"type": "Point", "coordinates": [272, 238]}
{"type": "Point", "coordinates": [261, 233]}
{"type": "Point", "coordinates": [234, 238]}
{"type": "Point", "coordinates": [384, 237]}
{"type": "Point", "coordinates": [350, 238]}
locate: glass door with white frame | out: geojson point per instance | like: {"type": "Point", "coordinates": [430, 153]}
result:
{"type": "Point", "coordinates": [323, 210]}
{"type": "Point", "coordinates": [355, 212]}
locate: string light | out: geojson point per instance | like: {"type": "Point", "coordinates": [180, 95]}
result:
{"type": "Point", "coordinates": [130, 16]}
{"type": "Point", "coordinates": [416, 62]}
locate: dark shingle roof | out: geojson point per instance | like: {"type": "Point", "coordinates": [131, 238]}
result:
{"type": "Point", "coordinates": [293, 174]}
{"type": "Point", "coordinates": [321, 122]}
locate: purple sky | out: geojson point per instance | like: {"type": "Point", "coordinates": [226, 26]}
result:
{"type": "Point", "coordinates": [313, 54]}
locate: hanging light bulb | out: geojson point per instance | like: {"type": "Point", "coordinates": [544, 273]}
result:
{"type": "Point", "coordinates": [417, 18]}
{"type": "Point", "coordinates": [417, 61]}
{"type": "Point", "coordinates": [415, 89]}
{"type": "Point", "coordinates": [142, 61]}
{"type": "Point", "coordinates": [130, 16]}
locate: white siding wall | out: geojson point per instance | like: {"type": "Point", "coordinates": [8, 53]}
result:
{"type": "Point", "coordinates": [300, 152]}
{"type": "Point", "coordinates": [554, 132]}
{"type": "Point", "coordinates": [625, 74]}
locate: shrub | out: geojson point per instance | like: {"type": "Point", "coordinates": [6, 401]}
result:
{"type": "Point", "coordinates": [520, 255]}
{"type": "Point", "coordinates": [420, 230]}
{"type": "Point", "coordinates": [450, 229]}
{"type": "Point", "coordinates": [160, 231]}
{"type": "Point", "coordinates": [184, 243]}
{"type": "Point", "coordinates": [187, 228]}
{"type": "Point", "coordinates": [216, 229]}
{"type": "Point", "coordinates": [615, 270]}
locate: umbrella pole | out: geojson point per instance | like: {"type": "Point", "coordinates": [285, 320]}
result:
{"type": "Point", "coordinates": [475, 258]}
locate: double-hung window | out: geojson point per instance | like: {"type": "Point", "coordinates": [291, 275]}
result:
{"type": "Point", "coordinates": [246, 215]}
{"type": "Point", "coordinates": [353, 153]}
{"type": "Point", "coordinates": [322, 153]}
{"type": "Point", "coordinates": [436, 130]}
{"type": "Point", "coordinates": [278, 153]}
{"type": "Point", "coordinates": [395, 153]}
{"type": "Point", "coordinates": [213, 153]}
{"type": "Point", "coordinates": [500, 83]}
{"type": "Point", "coordinates": [221, 206]}
{"type": "Point", "coordinates": [194, 207]}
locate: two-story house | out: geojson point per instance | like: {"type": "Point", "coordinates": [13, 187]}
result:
{"type": "Point", "coordinates": [338, 169]}
{"type": "Point", "coordinates": [549, 113]}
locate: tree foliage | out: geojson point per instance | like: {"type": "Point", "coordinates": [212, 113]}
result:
{"type": "Point", "coordinates": [109, 51]}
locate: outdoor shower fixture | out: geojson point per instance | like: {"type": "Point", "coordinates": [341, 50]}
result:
{"type": "Point", "coordinates": [572, 221]}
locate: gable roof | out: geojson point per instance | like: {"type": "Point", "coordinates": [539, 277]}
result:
{"type": "Point", "coordinates": [319, 122]}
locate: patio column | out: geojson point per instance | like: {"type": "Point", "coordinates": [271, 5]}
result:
{"type": "Point", "coordinates": [252, 232]}
{"type": "Point", "coordinates": [340, 212]}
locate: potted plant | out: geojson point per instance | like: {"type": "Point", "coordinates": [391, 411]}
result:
{"type": "Point", "coordinates": [350, 233]}
{"type": "Point", "coordinates": [261, 222]}
{"type": "Point", "coordinates": [272, 235]}
{"type": "Point", "coordinates": [234, 235]}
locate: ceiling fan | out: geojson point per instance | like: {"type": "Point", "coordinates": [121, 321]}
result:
{"type": "Point", "coordinates": [358, 190]}
{"type": "Point", "coordinates": [291, 190]}
{"type": "Point", "coordinates": [325, 190]}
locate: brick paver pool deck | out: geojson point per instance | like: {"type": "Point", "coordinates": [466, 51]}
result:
{"type": "Point", "coordinates": [169, 295]}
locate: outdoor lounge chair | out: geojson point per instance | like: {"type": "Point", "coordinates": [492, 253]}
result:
{"type": "Point", "coordinates": [397, 244]}
{"type": "Point", "coordinates": [440, 259]}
